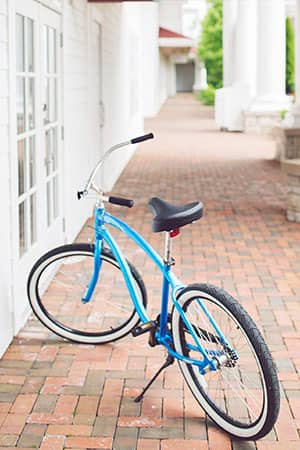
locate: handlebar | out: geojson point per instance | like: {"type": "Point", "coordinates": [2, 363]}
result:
{"type": "Point", "coordinates": [89, 183]}
{"type": "Point", "coordinates": [142, 138]}
{"type": "Point", "coordinates": [121, 201]}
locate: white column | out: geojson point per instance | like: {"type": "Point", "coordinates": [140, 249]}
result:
{"type": "Point", "coordinates": [245, 45]}
{"type": "Point", "coordinates": [200, 76]}
{"type": "Point", "coordinates": [239, 64]}
{"type": "Point", "coordinates": [229, 23]}
{"type": "Point", "coordinates": [270, 56]}
{"type": "Point", "coordinates": [172, 73]}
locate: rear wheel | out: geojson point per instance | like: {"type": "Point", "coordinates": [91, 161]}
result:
{"type": "Point", "coordinates": [57, 283]}
{"type": "Point", "coordinates": [242, 395]}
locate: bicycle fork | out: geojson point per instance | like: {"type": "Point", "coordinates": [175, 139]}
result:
{"type": "Point", "coordinates": [97, 267]}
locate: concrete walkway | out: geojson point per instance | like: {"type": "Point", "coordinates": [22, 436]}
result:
{"type": "Point", "coordinates": [57, 395]}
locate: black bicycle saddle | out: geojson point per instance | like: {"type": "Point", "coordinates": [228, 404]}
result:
{"type": "Point", "coordinates": [170, 217]}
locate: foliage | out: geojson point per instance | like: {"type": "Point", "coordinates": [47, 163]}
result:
{"type": "Point", "coordinates": [290, 57]}
{"type": "Point", "coordinates": [207, 97]}
{"type": "Point", "coordinates": [283, 113]}
{"type": "Point", "coordinates": [210, 46]}
{"type": "Point", "coordinates": [210, 52]}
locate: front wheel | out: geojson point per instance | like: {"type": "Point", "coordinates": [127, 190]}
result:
{"type": "Point", "coordinates": [57, 283]}
{"type": "Point", "coordinates": [242, 395]}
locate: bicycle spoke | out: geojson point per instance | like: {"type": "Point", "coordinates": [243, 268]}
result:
{"type": "Point", "coordinates": [228, 387]}
{"type": "Point", "coordinates": [71, 276]}
{"type": "Point", "coordinates": [237, 394]}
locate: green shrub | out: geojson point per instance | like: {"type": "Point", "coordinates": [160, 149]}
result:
{"type": "Point", "coordinates": [283, 113]}
{"type": "Point", "coordinates": [210, 45]}
{"type": "Point", "coordinates": [207, 97]}
{"type": "Point", "coordinates": [290, 57]}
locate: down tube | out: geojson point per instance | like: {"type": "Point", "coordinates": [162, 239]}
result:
{"type": "Point", "coordinates": [127, 275]}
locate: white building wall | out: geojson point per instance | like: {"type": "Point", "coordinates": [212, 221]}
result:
{"type": "Point", "coordinates": [77, 155]}
{"type": "Point", "coordinates": [170, 15]}
{"type": "Point", "coordinates": [6, 330]}
{"type": "Point", "coordinates": [150, 59]}
{"type": "Point", "coordinates": [121, 31]}
{"type": "Point", "coordinates": [158, 70]}
{"type": "Point", "coordinates": [124, 99]}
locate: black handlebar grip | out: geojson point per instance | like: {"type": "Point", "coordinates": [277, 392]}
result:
{"type": "Point", "coordinates": [80, 194]}
{"type": "Point", "coordinates": [121, 201]}
{"type": "Point", "coordinates": [142, 138]}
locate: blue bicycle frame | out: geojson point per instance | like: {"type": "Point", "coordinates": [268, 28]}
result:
{"type": "Point", "coordinates": [170, 282]}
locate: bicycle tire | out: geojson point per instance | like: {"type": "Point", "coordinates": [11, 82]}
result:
{"type": "Point", "coordinates": [205, 389]}
{"type": "Point", "coordinates": [52, 269]}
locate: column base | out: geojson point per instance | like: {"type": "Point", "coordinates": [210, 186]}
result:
{"type": "Point", "coordinates": [199, 87]}
{"type": "Point", "coordinates": [265, 113]}
{"type": "Point", "coordinates": [261, 122]}
{"type": "Point", "coordinates": [292, 117]}
{"type": "Point", "coordinates": [229, 105]}
{"type": "Point", "coordinates": [271, 103]}
{"type": "Point", "coordinates": [292, 169]}
{"type": "Point", "coordinates": [287, 142]}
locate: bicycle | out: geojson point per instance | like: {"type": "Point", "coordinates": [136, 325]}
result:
{"type": "Point", "coordinates": [221, 353]}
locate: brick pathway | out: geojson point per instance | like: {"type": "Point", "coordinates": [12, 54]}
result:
{"type": "Point", "coordinates": [57, 395]}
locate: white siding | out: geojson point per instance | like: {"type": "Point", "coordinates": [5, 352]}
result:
{"type": "Point", "coordinates": [130, 81]}
{"type": "Point", "coordinates": [119, 24]}
{"type": "Point", "coordinates": [121, 28]}
{"type": "Point", "coordinates": [75, 106]}
{"type": "Point", "coordinates": [5, 237]}
{"type": "Point", "coordinates": [150, 59]}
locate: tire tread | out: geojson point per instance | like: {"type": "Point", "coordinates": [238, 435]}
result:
{"type": "Point", "coordinates": [83, 247]}
{"type": "Point", "coordinates": [259, 346]}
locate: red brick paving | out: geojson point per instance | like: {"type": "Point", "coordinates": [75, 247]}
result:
{"type": "Point", "coordinates": [58, 395]}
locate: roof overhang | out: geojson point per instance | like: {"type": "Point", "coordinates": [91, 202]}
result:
{"type": "Point", "coordinates": [171, 42]}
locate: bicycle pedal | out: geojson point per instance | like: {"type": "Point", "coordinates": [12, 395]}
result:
{"type": "Point", "coordinates": [144, 328]}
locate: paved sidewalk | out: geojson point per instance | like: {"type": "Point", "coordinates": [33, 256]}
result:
{"type": "Point", "coordinates": [57, 395]}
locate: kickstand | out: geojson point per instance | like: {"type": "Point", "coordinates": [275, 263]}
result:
{"type": "Point", "coordinates": [167, 363]}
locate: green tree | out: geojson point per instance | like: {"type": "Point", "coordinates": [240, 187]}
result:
{"type": "Point", "coordinates": [290, 57]}
{"type": "Point", "coordinates": [210, 48]}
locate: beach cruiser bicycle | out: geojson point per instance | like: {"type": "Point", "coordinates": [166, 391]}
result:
{"type": "Point", "coordinates": [89, 293]}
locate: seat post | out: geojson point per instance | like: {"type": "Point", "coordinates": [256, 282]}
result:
{"type": "Point", "coordinates": [168, 249]}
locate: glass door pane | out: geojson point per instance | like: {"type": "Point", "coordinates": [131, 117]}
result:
{"type": "Point", "coordinates": [20, 107]}
{"type": "Point", "coordinates": [50, 120]}
{"type": "Point", "coordinates": [26, 131]}
{"type": "Point", "coordinates": [20, 51]}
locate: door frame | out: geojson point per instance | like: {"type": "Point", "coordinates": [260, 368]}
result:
{"type": "Point", "coordinates": [30, 8]}
{"type": "Point", "coordinates": [58, 222]}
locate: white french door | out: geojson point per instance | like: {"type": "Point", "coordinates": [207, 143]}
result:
{"type": "Point", "coordinates": [38, 139]}
{"type": "Point", "coordinates": [51, 124]}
